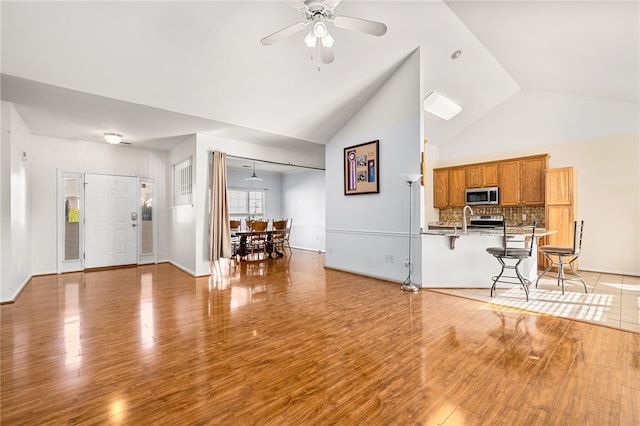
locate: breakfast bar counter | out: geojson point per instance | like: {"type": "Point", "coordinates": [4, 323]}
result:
{"type": "Point", "coordinates": [453, 259]}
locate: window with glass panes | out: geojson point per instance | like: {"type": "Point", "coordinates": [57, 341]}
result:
{"type": "Point", "coordinates": [244, 202]}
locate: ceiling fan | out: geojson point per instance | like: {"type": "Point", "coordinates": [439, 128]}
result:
{"type": "Point", "coordinates": [318, 13]}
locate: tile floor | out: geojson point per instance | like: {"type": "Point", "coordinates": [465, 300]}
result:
{"type": "Point", "coordinates": [612, 300]}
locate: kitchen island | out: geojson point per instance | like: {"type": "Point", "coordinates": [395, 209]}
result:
{"type": "Point", "coordinates": [452, 259]}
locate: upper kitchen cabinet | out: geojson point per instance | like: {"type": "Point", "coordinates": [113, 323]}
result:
{"type": "Point", "coordinates": [510, 183]}
{"type": "Point", "coordinates": [521, 181]}
{"type": "Point", "coordinates": [440, 188]}
{"type": "Point", "coordinates": [481, 175]}
{"type": "Point", "coordinates": [448, 187]}
{"type": "Point", "coordinates": [532, 180]}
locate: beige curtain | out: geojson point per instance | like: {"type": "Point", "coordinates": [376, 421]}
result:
{"type": "Point", "coordinates": [220, 231]}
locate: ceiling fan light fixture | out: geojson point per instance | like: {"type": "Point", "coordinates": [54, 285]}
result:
{"type": "Point", "coordinates": [320, 29]}
{"type": "Point", "coordinates": [327, 40]}
{"type": "Point", "coordinates": [113, 138]}
{"type": "Point", "coordinates": [441, 106]}
{"type": "Point", "coordinates": [310, 40]}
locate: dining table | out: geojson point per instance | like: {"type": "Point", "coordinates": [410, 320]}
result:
{"type": "Point", "coordinates": [243, 250]}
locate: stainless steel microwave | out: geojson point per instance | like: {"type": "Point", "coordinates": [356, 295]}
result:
{"type": "Point", "coordinates": [482, 196]}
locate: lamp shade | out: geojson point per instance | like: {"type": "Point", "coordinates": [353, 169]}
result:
{"type": "Point", "coordinates": [410, 177]}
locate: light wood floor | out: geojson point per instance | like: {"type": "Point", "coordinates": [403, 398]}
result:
{"type": "Point", "coordinates": [286, 342]}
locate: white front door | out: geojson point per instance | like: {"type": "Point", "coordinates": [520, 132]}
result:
{"type": "Point", "coordinates": [111, 220]}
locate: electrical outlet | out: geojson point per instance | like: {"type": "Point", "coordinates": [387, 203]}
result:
{"type": "Point", "coordinates": [388, 258]}
{"type": "Point", "coordinates": [524, 217]}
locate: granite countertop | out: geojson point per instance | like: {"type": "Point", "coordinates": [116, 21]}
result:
{"type": "Point", "coordinates": [457, 230]}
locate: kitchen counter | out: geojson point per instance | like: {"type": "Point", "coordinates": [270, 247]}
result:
{"type": "Point", "coordinates": [451, 259]}
{"type": "Point", "coordinates": [471, 232]}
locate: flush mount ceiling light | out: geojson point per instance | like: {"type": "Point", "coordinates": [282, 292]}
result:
{"type": "Point", "coordinates": [441, 107]}
{"type": "Point", "coordinates": [113, 138]}
{"type": "Point", "coordinates": [254, 176]}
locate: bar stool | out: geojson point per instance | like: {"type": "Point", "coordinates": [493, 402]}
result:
{"type": "Point", "coordinates": [564, 253]}
{"type": "Point", "coordinates": [508, 251]}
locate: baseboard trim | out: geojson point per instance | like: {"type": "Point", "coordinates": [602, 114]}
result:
{"type": "Point", "coordinates": [17, 293]}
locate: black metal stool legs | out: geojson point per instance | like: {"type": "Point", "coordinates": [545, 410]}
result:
{"type": "Point", "coordinates": [561, 276]}
{"type": "Point", "coordinates": [521, 279]}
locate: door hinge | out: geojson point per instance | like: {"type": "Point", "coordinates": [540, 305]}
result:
{"type": "Point", "coordinates": [84, 256]}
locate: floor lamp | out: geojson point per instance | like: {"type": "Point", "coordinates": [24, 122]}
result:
{"type": "Point", "coordinates": [410, 178]}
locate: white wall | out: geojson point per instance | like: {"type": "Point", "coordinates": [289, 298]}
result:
{"type": "Point", "coordinates": [368, 234]}
{"type": "Point", "coordinates": [16, 204]}
{"type": "Point", "coordinates": [599, 138]}
{"type": "Point", "coordinates": [51, 154]}
{"type": "Point", "coordinates": [304, 201]}
{"type": "Point", "coordinates": [182, 219]}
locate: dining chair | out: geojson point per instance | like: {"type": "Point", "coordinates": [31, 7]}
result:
{"type": "Point", "coordinates": [287, 234]}
{"type": "Point", "coordinates": [258, 239]}
{"type": "Point", "coordinates": [513, 248]}
{"type": "Point", "coordinates": [278, 235]}
{"type": "Point", "coordinates": [234, 225]}
{"type": "Point", "coordinates": [566, 256]}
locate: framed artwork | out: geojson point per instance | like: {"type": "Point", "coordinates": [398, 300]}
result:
{"type": "Point", "coordinates": [361, 169]}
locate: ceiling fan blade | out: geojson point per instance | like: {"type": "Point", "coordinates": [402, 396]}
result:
{"type": "Point", "coordinates": [284, 33]}
{"type": "Point", "coordinates": [326, 54]}
{"type": "Point", "coordinates": [362, 25]}
{"type": "Point", "coordinates": [297, 5]}
{"type": "Point", "coordinates": [331, 4]}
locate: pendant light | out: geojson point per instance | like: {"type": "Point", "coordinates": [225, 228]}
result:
{"type": "Point", "coordinates": [254, 176]}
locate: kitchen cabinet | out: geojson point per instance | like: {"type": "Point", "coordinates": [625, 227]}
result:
{"type": "Point", "coordinates": [560, 208]}
{"type": "Point", "coordinates": [481, 175]}
{"type": "Point", "coordinates": [532, 180]}
{"type": "Point", "coordinates": [510, 183]}
{"type": "Point", "coordinates": [522, 181]}
{"type": "Point", "coordinates": [448, 187]}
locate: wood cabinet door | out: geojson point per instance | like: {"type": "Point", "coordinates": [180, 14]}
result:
{"type": "Point", "coordinates": [489, 174]}
{"type": "Point", "coordinates": [561, 207]}
{"type": "Point", "coordinates": [559, 184]}
{"type": "Point", "coordinates": [441, 188]}
{"type": "Point", "coordinates": [457, 187]}
{"type": "Point", "coordinates": [509, 178]}
{"type": "Point", "coordinates": [481, 175]}
{"type": "Point", "coordinates": [532, 181]}
{"type": "Point", "coordinates": [473, 176]}
{"type": "Point", "coordinates": [560, 219]}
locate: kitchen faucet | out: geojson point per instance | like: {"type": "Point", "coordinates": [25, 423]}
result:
{"type": "Point", "coordinates": [464, 218]}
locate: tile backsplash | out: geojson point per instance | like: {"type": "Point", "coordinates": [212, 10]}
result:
{"type": "Point", "coordinates": [512, 215]}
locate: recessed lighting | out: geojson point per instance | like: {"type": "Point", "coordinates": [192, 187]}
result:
{"type": "Point", "coordinates": [441, 107]}
{"type": "Point", "coordinates": [456, 54]}
{"type": "Point", "coordinates": [113, 138]}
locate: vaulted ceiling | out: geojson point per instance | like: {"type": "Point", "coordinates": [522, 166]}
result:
{"type": "Point", "coordinates": [157, 71]}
